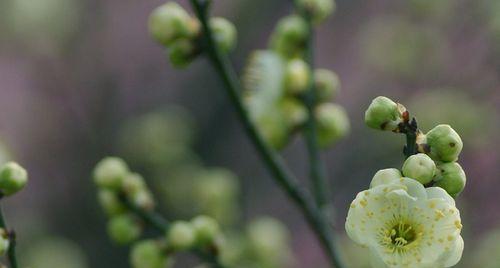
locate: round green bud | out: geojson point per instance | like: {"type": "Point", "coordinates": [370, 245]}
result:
{"type": "Point", "coordinates": [290, 36]}
{"type": "Point", "coordinates": [170, 22]}
{"type": "Point", "coordinates": [182, 52]}
{"type": "Point", "coordinates": [385, 176]}
{"type": "Point", "coordinates": [13, 178]}
{"type": "Point", "coordinates": [444, 143]}
{"type": "Point", "coordinates": [124, 229]}
{"type": "Point", "coordinates": [332, 123]}
{"type": "Point", "coordinates": [110, 202]}
{"type": "Point", "coordinates": [297, 76]}
{"type": "Point", "coordinates": [269, 240]}
{"type": "Point", "coordinates": [319, 10]}
{"type": "Point", "coordinates": [225, 33]}
{"type": "Point", "coordinates": [384, 114]}
{"type": "Point", "coordinates": [274, 128]}
{"type": "Point", "coordinates": [326, 84]}
{"type": "Point", "coordinates": [419, 167]}
{"type": "Point", "coordinates": [4, 241]}
{"type": "Point", "coordinates": [110, 172]}
{"type": "Point", "coordinates": [148, 254]}
{"type": "Point", "coordinates": [143, 199]}
{"type": "Point", "coordinates": [133, 183]}
{"type": "Point", "coordinates": [294, 111]}
{"type": "Point", "coordinates": [205, 228]}
{"type": "Point", "coordinates": [181, 235]}
{"type": "Point", "coordinates": [451, 177]}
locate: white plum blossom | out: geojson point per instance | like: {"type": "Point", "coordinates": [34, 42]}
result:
{"type": "Point", "coordinates": [404, 224]}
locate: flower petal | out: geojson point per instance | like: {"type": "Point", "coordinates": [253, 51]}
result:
{"type": "Point", "coordinates": [438, 192]}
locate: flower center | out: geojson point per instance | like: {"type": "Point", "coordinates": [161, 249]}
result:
{"type": "Point", "coordinates": [402, 234]}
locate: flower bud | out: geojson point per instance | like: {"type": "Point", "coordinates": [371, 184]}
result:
{"type": "Point", "coordinates": [319, 10]}
{"type": "Point", "coordinates": [143, 199]}
{"type": "Point", "coordinates": [290, 35]}
{"type": "Point", "coordinates": [326, 84]}
{"type": "Point", "coordinates": [205, 228]}
{"type": "Point", "coordinates": [445, 144]}
{"type": "Point", "coordinates": [148, 254]}
{"type": "Point", "coordinates": [269, 241]}
{"type": "Point", "coordinates": [133, 183]}
{"type": "Point", "coordinates": [181, 235]}
{"type": "Point", "coordinates": [182, 52]}
{"type": "Point", "coordinates": [294, 112]}
{"type": "Point", "coordinates": [273, 128]}
{"type": "Point", "coordinates": [4, 241]}
{"type": "Point", "coordinates": [110, 172]}
{"type": "Point", "coordinates": [170, 22]}
{"type": "Point", "coordinates": [384, 114]}
{"type": "Point", "coordinates": [332, 123]}
{"type": "Point", "coordinates": [419, 167]}
{"type": "Point", "coordinates": [110, 203]}
{"type": "Point", "coordinates": [297, 76]}
{"type": "Point", "coordinates": [225, 33]}
{"type": "Point", "coordinates": [451, 177]}
{"type": "Point", "coordinates": [385, 176]}
{"type": "Point", "coordinates": [124, 229]}
{"type": "Point", "coordinates": [13, 178]}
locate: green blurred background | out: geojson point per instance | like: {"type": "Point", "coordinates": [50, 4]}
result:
{"type": "Point", "coordinates": [78, 76]}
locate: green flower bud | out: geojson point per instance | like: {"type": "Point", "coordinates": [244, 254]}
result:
{"type": "Point", "coordinates": [143, 199]}
{"type": "Point", "coordinates": [445, 144]}
{"type": "Point", "coordinates": [273, 128]}
{"type": "Point", "coordinates": [290, 35]}
{"type": "Point", "coordinates": [332, 123]}
{"type": "Point", "coordinates": [124, 229]}
{"type": "Point", "coordinates": [419, 167]}
{"type": "Point", "coordinates": [110, 172]}
{"type": "Point", "coordinates": [326, 84]}
{"type": "Point", "coordinates": [294, 111]}
{"type": "Point", "coordinates": [148, 254]}
{"type": "Point", "coordinates": [297, 76]}
{"type": "Point", "coordinates": [4, 241]}
{"type": "Point", "coordinates": [318, 9]}
{"type": "Point", "coordinates": [451, 177]}
{"type": "Point", "coordinates": [182, 52]}
{"type": "Point", "coordinates": [225, 33]}
{"type": "Point", "coordinates": [181, 235]}
{"type": "Point", "coordinates": [13, 178]}
{"type": "Point", "coordinates": [110, 202]}
{"type": "Point", "coordinates": [269, 241]}
{"type": "Point", "coordinates": [384, 114]}
{"type": "Point", "coordinates": [170, 22]}
{"type": "Point", "coordinates": [385, 176]}
{"type": "Point", "coordinates": [133, 183]}
{"type": "Point", "coordinates": [206, 229]}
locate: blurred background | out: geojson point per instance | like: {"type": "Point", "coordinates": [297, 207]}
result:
{"type": "Point", "coordinates": [81, 79]}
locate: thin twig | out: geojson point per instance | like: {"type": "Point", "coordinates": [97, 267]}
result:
{"type": "Point", "coordinates": [11, 251]}
{"type": "Point", "coordinates": [272, 160]}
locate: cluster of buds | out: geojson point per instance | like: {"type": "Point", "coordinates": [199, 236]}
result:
{"type": "Point", "coordinates": [433, 163]}
{"type": "Point", "coordinates": [277, 82]}
{"type": "Point", "coordinates": [172, 27]}
{"type": "Point", "coordinates": [120, 193]}
{"type": "Point", "coordinates": [117, 183]}
{"type": "Point", "coordinates": [409, 218]}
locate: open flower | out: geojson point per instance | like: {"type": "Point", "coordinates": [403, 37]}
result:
{"type": "Point", "coordinates": [404, 224]}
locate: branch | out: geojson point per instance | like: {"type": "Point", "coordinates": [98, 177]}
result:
{"type": "Point", "coordinates": [272, 160]}
{"type": "Point", "coordinates": [410, 129]}
{"type": "Point", "coordinates": [161, 224]}
{"type": "Point", "coordinates": [11, 252]}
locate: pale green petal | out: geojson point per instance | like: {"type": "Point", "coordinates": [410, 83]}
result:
{"type": "Point", "coordinates": [456, 254]}
{"type": "Point", "coordinates": [414, 188]}
{"type": "Point", "coordinates": [438, 192]}
{"type": "Point", "coordinates": [385, 176]}
{"type": "Point", "coordinates": [376, 260]}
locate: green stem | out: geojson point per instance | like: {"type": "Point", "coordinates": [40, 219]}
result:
{"type": "Point", "coordinates": [410, 129]}
{"type": "Point", "coordinates": [161, 224]}
{"type": "Point", "coordinates": [317, 169]}
{"type": "Point", "coordinates": [11, 252]}
{"type": "Point", "coordinates": [272, 160]}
